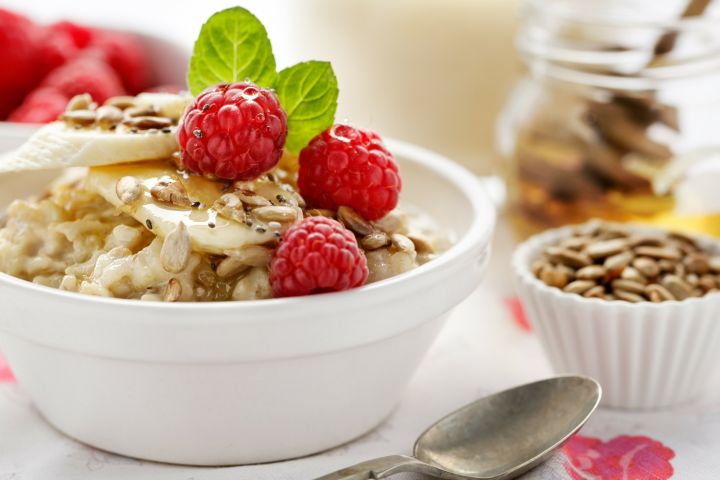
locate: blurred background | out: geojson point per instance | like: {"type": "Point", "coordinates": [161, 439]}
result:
{"type": "Point", "coordinates": [431, 72]}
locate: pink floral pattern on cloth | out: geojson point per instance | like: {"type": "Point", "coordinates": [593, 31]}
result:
{"type": "Point", "coordinates": [5, 373]}
{"type": "Point", "coordinates": [621, 458]}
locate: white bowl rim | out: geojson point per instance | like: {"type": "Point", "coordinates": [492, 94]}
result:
{"type": "Point", "coordinates": [521, 262]}
{"type": "Point", "coordinates": [478, 233]}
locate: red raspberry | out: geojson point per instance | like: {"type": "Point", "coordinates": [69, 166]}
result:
{"type": "Point", "coordinates": [80, 34]}
{"type": "Point", "coordinates": [317, 255]}
{"type": "Point", "coordinates": [19, 68]}
{"type": "Point", "coordinates": [233, 131]}
{"type": "Point", "coordinates": [43, 105]}
{"type": "Point", "coordinates": [346, 166]}
{"type": "Point", "coordinates": [126, 55]}
{"type": "Point", "coordinates": [57, 47]}
{"type": "Point", "coordinates": [85, 75]}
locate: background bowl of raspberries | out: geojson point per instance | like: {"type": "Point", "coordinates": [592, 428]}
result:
{"type": "Point", "coordinates": [44, 65]}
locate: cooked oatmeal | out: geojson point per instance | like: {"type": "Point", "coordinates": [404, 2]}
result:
{"type": "Point", "coordinates": [74, 239]}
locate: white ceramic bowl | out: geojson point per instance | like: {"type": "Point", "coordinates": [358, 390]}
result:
{"type": "Point", "coordinates": [645, 355]}
{"type": "Point", "coordinates": [244, 382]}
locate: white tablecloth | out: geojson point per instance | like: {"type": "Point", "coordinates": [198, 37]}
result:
{"type": "Point", "coordinates": [481, 350]}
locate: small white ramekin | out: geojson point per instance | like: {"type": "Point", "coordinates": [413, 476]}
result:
{"type": "Point", "coordinates": [645, 355]}
{"type": "Point", "coordinates": [244, 382]}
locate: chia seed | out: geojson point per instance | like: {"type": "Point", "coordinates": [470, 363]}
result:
{"type": "Point", "coordinates": [198, 133]}
{"type": "Point", "coordinates": [149, 224]}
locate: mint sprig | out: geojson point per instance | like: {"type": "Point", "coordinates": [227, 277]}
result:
{"type": "Point", "coordinates": [233, 46]}
{"type": "Point", "coordinates": [308, 92]}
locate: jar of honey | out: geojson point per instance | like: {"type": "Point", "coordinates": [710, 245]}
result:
{"type": "Point", "coordinates": [617, 117]}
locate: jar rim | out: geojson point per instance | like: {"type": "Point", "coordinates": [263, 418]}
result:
{"type": "Point", "coordinates": [568, 40]}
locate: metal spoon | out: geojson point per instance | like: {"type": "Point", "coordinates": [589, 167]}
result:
{"type": "Point", "coordinates": [497, 437]}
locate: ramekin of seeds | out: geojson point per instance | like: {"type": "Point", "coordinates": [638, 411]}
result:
{"type": "Point", "coordinates": [633, 306]}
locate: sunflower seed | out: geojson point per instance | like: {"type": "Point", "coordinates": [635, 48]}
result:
{"type": "Point", "coordinates": [252, 255]}
{"type": "Point", "coordinates": [663, 253]}
{"type": "Point", "coordinates": [129, 189]}
{"type": "Point", "coordinates": [657, 290]}
{"type": "Point", "coordinates": [80, 102]}
{"type": "Point", "coordinates": [579, 286]}
{"type": "Point", "coordinates": [617, 263]}
{"type": "Point", "coordinates": [231, 266]}
{"type": "Point", "coordinates": [276, 213]}
{"type": "Point", "coordinates": [591, 272]}
{"type": "Point", "coordinates": [628, 296]}
{"type": "Point", "coordinates": [568, 257]}
{"type": "Point", "coordinates": [375, 240]}
{"type": "Point", "coordinates": [554, 276]}
{"type": "Point", "coordinates": [230, 206]}
{"type": "Point", "coordinates": [171, 192]}
{"type": "Point", "coordinates": [319, 212]}
{"type": "Point", "coordinates": [628, 286]}
{"type": "Point", "coordinates": [252, 199]}
{"type": "Point", "coordinates": [173, 290]}
{"type": "Point", "coordinates": [146, 122]}
{"type": "Point", "coordinates": [630, 273]}
{"type": "Point", "coordinates": [606, 249]}
{"type": "Point", "coordinates": [352, 220]}
{"type": "Point", "coordinates": [598, 291]}
{"type": "Point", "coordinates": [402, 243]}
{"type": "Point", "coordinates": [176, 250]}
{"type": "Point", "coordinates": [108, 115]}
{"type": "Point", "coordinates": [677, 286]}
{"type": "Point", "coordinates": [122, 102]}
{"type": "Point", "coordinates": [79, 117]}
{"type": "Point", "coordinates": [646, 266]}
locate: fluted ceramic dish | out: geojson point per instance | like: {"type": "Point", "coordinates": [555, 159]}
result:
{"type": "Point", "coordinates": [645, 355]}
{"type": "Point", "coordinates": [250, 381]}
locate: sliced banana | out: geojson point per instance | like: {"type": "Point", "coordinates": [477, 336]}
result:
{"type": "Point", "coordinates": [208, 231]}
{"type": "Point", "coordinates": [58, 145]}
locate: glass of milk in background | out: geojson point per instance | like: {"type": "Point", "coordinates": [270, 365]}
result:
{"type": "Point", "coordinates": [432, 72]}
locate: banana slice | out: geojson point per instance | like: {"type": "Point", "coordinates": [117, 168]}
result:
{"type": "Point", "coordinates": [58, 145]}
{"type": "Point", "coordinates": [62, 144]}
{"type": "Point", "coordinates": [209, 231]}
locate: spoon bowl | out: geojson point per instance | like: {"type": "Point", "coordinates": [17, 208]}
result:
{"type": "Point", "coordinates": [508, 433]}
{"type": "Point", "coordinates": [498, 437]}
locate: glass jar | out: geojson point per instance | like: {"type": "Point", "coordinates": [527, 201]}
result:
{"type": "Point", "coordinates": [618, 116]}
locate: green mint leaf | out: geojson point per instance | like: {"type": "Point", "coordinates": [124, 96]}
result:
{"type": "Point", "coordinates": [233, 46]}
{"type": "Point", "coordinates": [308, 92]}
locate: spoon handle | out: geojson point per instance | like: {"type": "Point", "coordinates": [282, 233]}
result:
{"type": "Point", "coordinates": [378, 468]}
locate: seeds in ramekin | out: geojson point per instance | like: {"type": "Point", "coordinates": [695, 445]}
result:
{"type": "Point", "coordinates": [598, 291]}
{"type": "Point", "coordinates": [554, 276]}
{"type": "Point", "coordinates": [176, 250]}
{"type": "Point", "coordinates": [609, 261]}
{"type": "Point", "coordinates": [658, 290]}
{"type": "Point", "coordinates": [677, 286]}
{"type": "Point", "coordinates": [352, 220]}
{"type": "Point", "coordinates": [628, 286]}
{"type": "Point", "coordinates": [591, 272]}
{"type": "Point", "coordinates": [171, 192]}
{"type": "Point", "coordinates": [568, 257]}
{"type": "Point", "coordinates": [579, 286]}
{"type": "Point", "coordinates": [173, 291]}
{"type": "Point", "coordinates": [662, 253]}
{"type": "Point", "coordinates": [628, 296]}
{"type": "Point", "coordinates": [630, 273]}
{"type": "Point", "coordinates": [607, 248]}
{"type": "Point", "coordinates": [129, 189]}
{"type": "Point", "coordinates": [646, 266]}
{"type": "Point", "coordinates": [617, 263]}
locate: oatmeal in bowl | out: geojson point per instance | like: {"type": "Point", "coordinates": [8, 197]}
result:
{"type": "Point", "coordinates": [183, 199]}
{"type": "Point", "coordinates": [132, 272]}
